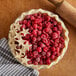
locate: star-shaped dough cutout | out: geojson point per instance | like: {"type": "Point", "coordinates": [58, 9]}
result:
{"type": "Point", "coordinates": [17, 35]}
{"type": "Point", "coordinates": [25, 31]}
{"type": "Point", "coordinates": [27, 46]}
{"type": "Point", "coordinates": [18, 55]}
{"type": "Point", "coordinates": [21, 42]}
{"type": "Point", "coordinates": [24, 60]}
{"type": "Point", "coordinates": [17, 26]}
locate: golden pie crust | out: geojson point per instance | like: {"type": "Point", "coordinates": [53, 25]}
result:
{"type": "Point", "coordinates": [13, 35]}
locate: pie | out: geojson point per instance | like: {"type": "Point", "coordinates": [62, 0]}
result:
{"type": "Point", "coordinates": [38, 39]}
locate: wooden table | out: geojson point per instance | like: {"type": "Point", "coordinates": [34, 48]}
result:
{"type": "Point", "coordinates": [11, 9]}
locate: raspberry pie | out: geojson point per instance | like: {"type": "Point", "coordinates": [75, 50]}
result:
{"type": "Point", "coordinates": [38, 39]}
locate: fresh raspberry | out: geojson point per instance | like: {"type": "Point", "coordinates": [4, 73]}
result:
{"type": "Point", "coordinates": [45, 41]}
{"type": "Point", "coordinates": [27, 37]}
{"type": "Point", "coordinates": [61, 39]}
{"type": "Point", "coordinates": [39, 38]}
{"type": "Point", "coordinates": [39, 20]}
{"type": "Point", "coordinates": [28, 24]}
{"type": "Point", "coordinates": [45, 49]}
{"type": "Point", "coordinates": [48, 54]}
{"type": "Point", "coordinates": [39, 32]}
{"type": "Point", "coordinates": [34, 39]}
{"type": "Point", "coordinates": [41, 44]}
{"type": "Point", "coordinates": [53, 49]}
{"type": "Point", "coordinates": [51, 42]}
{"type": "Point", "coordinates": [48, 25]}
{"type": "Point", "coordinates": [30, 48]}
{"type": "Point", "coordinates": [34, 47]}
{"type": "Point", "coordinates": [54, 53]}
{"type": "Point", "coordinates": [35, 26]}
{"type": "Point", "coordinates": [39, 55]}
{"type": "Point", "coordinates": [40, 24]}
{"type": "Point", "coordinates": [48, 61]}
{"type": "Point", "coordinates": [59, 45]}
{"type": "Point", "coordinates": [29, 21]}
{"type": "Point", "coordinates": [62, 46]}
{"type": "Point", "coordinates": [38, 59]}
{"type": "Point", "coordinates": [43, 53]}
{"type": "Point", "coordinates": [31, 28]}
{"type": "Point", "coordinates": [57, 49]}
{"type": "Point", "coordinates": [29, 62]}
{"type": "Point", "coordinates": [25, 21]}
{"type": "Point", "coordinates": [35, 14]}
{"type": "Point", "coordinates": [57, 40]}
{"type": "Point", "coordinates": [58, 32]}
{"type": "Point", "coordinates": [34, 32]}
{"type": "Point", "coordinates": [35, 63]}
{"type": "Point", "coordinates": [50, 32]}
{"type": "Point", "coordinates": [47, 29]}
{"type": "Point", "coordinates": [39, 28]}
{"type": "Point", "coordinates": [41, 62]}
{"type": "Point", "coordinates": [48, 18]}
{"type": "Point", "coordinates": [57, 54]}
{"type": "Point", "coordinates": [53, 57]}
{"type": "Point", "coordinates": [47, 35]}
{"type": "Point", "coordinates": [44, 57]}
{"type": "Point", "coordinates": [39, 49]}
{"type": "Point", "coordinates": [55, 29]}
{"type": "Point", "coordinates": [55, 22]}
{"type": "Point", "coordinates": [43, 36]}
{"type": "Point", "coordinates": [55, 44]}
{"type": "Point", "coordinates": [54, 35]}
{"type": "Point", "coordinates": [32, 18]}
{"type": "Point", "coordinates": [35, 53]}
{"type": "Point", "coordinates": [59, 27]}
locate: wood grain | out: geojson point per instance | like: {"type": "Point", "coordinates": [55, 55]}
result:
{"type": "Point", "coordinates": [11, 9]}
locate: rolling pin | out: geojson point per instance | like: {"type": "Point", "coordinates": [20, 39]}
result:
{"type": "Point", "coordinates": [65, 10]}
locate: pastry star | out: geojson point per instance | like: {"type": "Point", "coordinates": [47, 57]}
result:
{"type": "Point", "coordinates": [17, 35]}
{"type": "Point", "coordinates": [26, 46]}
{"type": "Point", "coordinates": [24, 60]}
{"type": "Point", "coordinates": [17, 26]}
{"type": "Point", "coordinates": [21, 41]}
{"type": "Point", "coordinates": [17, 55]}
{"type": "Point", "coordinates": [25, 31]}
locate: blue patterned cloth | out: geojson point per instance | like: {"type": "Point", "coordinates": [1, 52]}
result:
{"type": "Point", "coordinates": [8, 64]}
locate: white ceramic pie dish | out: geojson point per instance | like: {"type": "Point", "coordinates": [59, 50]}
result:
{"type": "Point", "coordinates": [12, 33]}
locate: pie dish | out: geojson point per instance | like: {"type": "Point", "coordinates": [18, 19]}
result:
{"type": "Point", "coordinates": [38, 39]}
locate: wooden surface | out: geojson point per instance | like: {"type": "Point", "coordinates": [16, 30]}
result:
{"type": "Point", "coordinates": [11, 9]}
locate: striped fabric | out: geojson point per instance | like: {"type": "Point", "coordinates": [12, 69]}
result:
{"type": "Point", "coordinates": [8, 64]}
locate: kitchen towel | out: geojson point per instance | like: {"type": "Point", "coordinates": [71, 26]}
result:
{"type": "Point", "coordinates": [8, 64]}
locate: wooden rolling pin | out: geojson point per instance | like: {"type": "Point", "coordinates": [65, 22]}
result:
{"type": "Point", "coordinates": [65, 10]}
